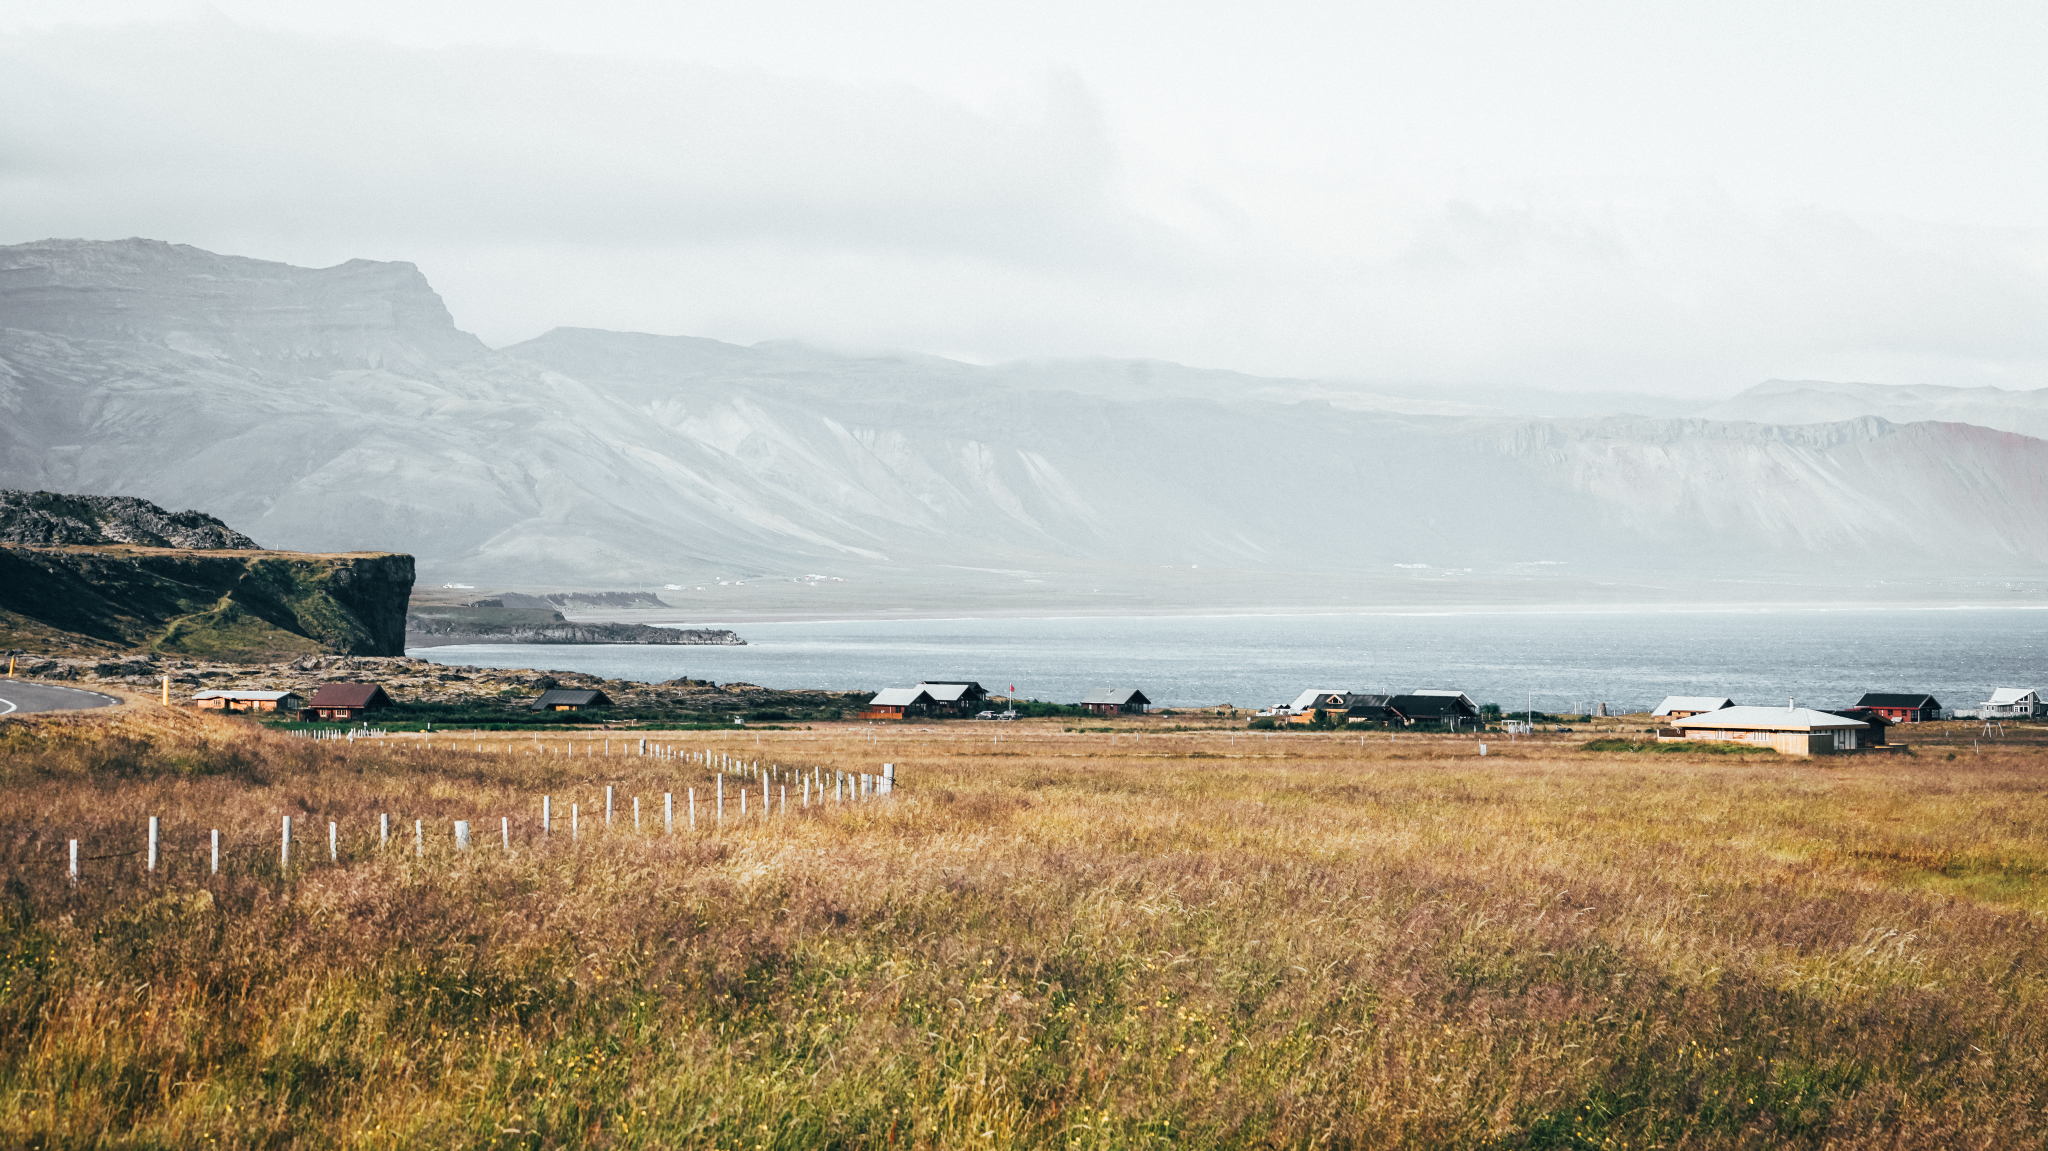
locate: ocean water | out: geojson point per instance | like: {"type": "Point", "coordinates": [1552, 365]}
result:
{"type": "Point", "coordinates": [1559, 661]}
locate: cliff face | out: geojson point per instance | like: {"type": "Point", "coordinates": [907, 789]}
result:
{"type": "Point", "coordinates": [249, 605]}
{"type": "Point", "coordinates": [47, 519]}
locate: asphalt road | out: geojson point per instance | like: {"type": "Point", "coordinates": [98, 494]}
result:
{"type": "Point", "coordinates": [17, 697]}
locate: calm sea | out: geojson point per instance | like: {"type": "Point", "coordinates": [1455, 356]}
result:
{"type": "Point", "coordinates": [1562, 661]}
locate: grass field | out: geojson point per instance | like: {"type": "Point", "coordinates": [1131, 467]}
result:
{"type": "Point", "coordinates": [1045, 939]}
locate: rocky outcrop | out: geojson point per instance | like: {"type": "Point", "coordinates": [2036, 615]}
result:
{"type": "Point", "coordinates": [486, 624]}
{"type": "Point", "coordinates": [49, 519]}
{"type": "Point", "coordinates": [224, 605]}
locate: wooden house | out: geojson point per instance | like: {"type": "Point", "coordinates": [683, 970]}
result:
{"type": "Point", "coordinates": [898, 703]}
{"type": "Point", "coordinates": [285, 701]}
{"type": "Point", "coordinates": [1788, 730]}
{"type": "Point", "coordinates": [1116, 701]}
{"type": "Point", "coordinates": [953, 697]}
{"type": "Point", "coordinates": [2012, 703]}
{"type": "Point", "coordinates": [345, 701]}
{"type": "Point", "coordinates": [1371, 709]}
{"type": "Point", "coordinates": [1878, 724]}
{"type": "Point", "coordinates": [1436, 705]}
{"type": "Point", "coordinates": [1680, 706]}
{"type": "Point", "coordinates": [1902, 707]}
{"type": "Point", "coordinates": [565, 699]}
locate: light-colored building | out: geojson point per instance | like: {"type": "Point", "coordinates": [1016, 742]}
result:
{"type": "Point", "coordinates": [249, 700]}
{"type": "Point", "coordinates": [897, 703]}
{"type": "Point", "coordinates": [2013, 702]}
{"type": "Point", "coordinates": [1680, 706]}
{"type": "Point", "coordinates": [1788, 730]}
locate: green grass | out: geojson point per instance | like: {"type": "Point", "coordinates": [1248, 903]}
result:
{"type": "Point", "coordinates": [1678, 747]}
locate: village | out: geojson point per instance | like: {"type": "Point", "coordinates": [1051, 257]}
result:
{"type": "Point", "coordinates": [1791, 730]}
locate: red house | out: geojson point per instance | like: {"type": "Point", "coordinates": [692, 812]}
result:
{"type": "Point", "coordinates": [1902, 707]}
{"type": "Point", "coordinates": [346, 701]}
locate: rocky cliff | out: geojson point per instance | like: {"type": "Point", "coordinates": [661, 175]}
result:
{"type": "Point", "coordinates": [234, 603]}
{"type": "Point", "coordinates": [49, 519]}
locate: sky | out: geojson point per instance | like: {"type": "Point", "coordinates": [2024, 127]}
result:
{"type": "Point", "coordinates": [1679, 199]}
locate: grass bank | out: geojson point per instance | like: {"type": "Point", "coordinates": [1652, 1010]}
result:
{"type": "Point", "coordinates": [1046, 939]}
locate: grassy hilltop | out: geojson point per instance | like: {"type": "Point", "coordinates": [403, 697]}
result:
{"type": "Point", "coordinates": [1046, 939]}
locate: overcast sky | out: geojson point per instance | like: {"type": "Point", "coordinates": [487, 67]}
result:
{"type": "Point", "coordinates": [1672, 198]}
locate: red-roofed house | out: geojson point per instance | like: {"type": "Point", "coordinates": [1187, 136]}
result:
{"type": "Point", "coordinates": [346, 700]}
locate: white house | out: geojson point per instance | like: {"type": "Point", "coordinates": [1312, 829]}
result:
{"type": "Point", "coordinates": [2018, 702]}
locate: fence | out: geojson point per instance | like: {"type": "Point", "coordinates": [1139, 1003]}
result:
{"type": "Point", "coordinates": [773, 782]}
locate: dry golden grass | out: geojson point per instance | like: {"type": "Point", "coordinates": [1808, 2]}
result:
{"type": "Point", "coordinates": [1182, 940]}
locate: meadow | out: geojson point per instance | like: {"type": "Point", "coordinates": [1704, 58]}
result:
{"type": "Point", "coordinates": [1138, 938]}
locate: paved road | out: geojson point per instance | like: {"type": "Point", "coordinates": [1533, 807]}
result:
{"type": "Point", "coordinates": [17, 697]}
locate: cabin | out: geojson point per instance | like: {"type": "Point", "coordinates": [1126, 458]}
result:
{"type": "Point", "coordinates": [2012, 703]}
{"type": "Point", "coordinates": [1787, 730]}
{"type": "Point", "coordinates": [565, 699]}
{"type": "Point", "coordinates": [1878, 724]}
{"type": "Point", "coordinates": [898, 703]}
{"type": "Point", "coordinates": [1902, 707]}
{"type": "Point", "coordinates": [1116, 701]}
{"type": "Point", "coordinates": [1680, 706]}
{"type": "Point", "coordinates": [953, 697]}
{"type": "Point", "coordinates": [285, 701]}
{"type": "Point", "coordinates": [1436, 705]}
{"type": "Point", "coordinates": [345, 701]}
{"type": "Point", "coordinates": [1325, 698]}
{"type": "Point", "coordinates": [1371, 709]}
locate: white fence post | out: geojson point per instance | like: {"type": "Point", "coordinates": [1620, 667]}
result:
{"type": "Point", "coordinates": [333, 842]}
{"type": "Point", "coordinates": [607, 807]}
{"type": "Point", "coordinates": [384, 829]}
{"type": "Point", "coordinates": [284, 850]}
{"type": "Point", "coordinates": [505, 826]}
{"type": "Point", "coordinates": [575, 822]}
{"type": "Point", "coordinates": [668, 813]}
{"type": "Point", "coordinates": [419, 837]}
{"type": "Point", "coordinates": [153, 828]}
{"type": "Point", "coordinates": [462, 835]}
{"type": "Point", "coordinates": [636, 815]}
{"type": "Point", "coordinates": [719, 780]}
{"type": "Point", "coordinates": [547, 822]}
{"type": "Point", "coordinates": [74, 861]}
{"type": "Point", "coordinates": [216, 851]}
{"type": "Point", "coordinates": [693, 808]}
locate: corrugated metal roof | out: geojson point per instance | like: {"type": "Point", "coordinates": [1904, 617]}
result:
{"type": "Point", "coordinates": [1119, 696]}
{"type": "Point", "coordinates": [2009, 695]}
{"type": "Point", "coordinates": [1692, 703]}
{"type": "Point", "coordinates": [1768, 719]}
{"type": "Point", "coordinates": [900, 697]}
{"type": "Point", "coordinates": [570, 697]}
{"type": "Point", "coordinates": [256, 695]}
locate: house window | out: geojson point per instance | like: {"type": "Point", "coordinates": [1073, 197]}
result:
{"type": "Point", "coordinates": [1845, 741]}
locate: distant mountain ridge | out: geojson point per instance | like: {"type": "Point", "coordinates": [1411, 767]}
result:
{"type": "Point", "coordinates": [340, 408]}
{"type": "Point", "coordinates": [48, 519]}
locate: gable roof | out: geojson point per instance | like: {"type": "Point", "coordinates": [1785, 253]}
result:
{"type": "Point", "coordinates": [265, 696]}
{"type": "Point", "coordinates": [1118, 696]}
{"type": "Point", "coordinates": [1434, 705]}
{"type": "Point", "coordinates": [1692, 703]}
{"type": "Point", "coordinates": [952, 691]}
{"type": "Point", "coordinates": [1769, 719]}
{"type": "Point", "coordinates": [570, 697]}
{"type": "Point", "coordinates": [1897, 699]}
{"type": "Point", "coordinates": [1307, 700]}
{"type": "Point", "coordinates": [2010, 695]}
{"type": "Point", "coordinates": [900, 697]}
{"type": "Point", "coordinates": [1449, 692]}
{"type": "Point", "coordinates": [349, 695]}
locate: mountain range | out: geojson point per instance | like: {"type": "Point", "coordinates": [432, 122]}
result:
{"type": "Point", "coordinates": [341, 408]}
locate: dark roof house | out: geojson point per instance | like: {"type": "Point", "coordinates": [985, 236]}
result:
{"type": "Point", "coordinates": [347, 700]}
{"type": "Point", "coordinates": [565, 699]}
{"type": "Point", "coordinates": [1435, 708]}
{"type": "Point", "coordinates": [1902, 706]}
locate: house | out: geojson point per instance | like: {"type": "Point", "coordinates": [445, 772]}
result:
{"type": "Point", "coordinates": [2013, 702]}
{"type": "Point", "coordinates": [1680, 706]}
{"type": "Point", "coordinates": [953, 697]}
{"type": "Point", "coordinates": [564, 699]}
{"type": "Point", "coordinates": [898, 703]}
{"type": "Point", "coordinates": [285, 701]}
{"type": "Point", "coordinates": [1788, 730]}
{"type": "Point", "coordinates": [1325, 698]}
{"type": "Point", "coordinates": [1450, 708]}
{"type": "Point", "coordinates": [1116, 701]}
{"type": "Point", "coordinates": [345, 701]}
{"type": "Point", "coordinates": [1902, 707]}
{"type": "Point", "coordinates": [1371, 709]}
{"type": "Point", "coordinates": [1875, 736]}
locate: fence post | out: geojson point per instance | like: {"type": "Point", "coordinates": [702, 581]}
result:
{"type": "Point", "coordinates": [668, 813]}
{"type": "Point", "coordinates": [216, 851]}
{"type": "Point", "coordinates": [607, 807]}
{"type": "Point", "coordinates": [719, 781]}
{"type": "Point", "coordinates": [284, 850]}
{"type": "Point", "coordinates": [575, 822]}
{"type": "Point", "coordinates": [785, 799]}
{"type": "Point", "coordinates": [384, 829]}
{"type": "Point", "coordinates": [636, 814]}
{"type": "Point", "coordinates": [505, 826]}
{"type": "Point", "coordinates": [889, 779]}
{"type": "Point", "coordinates": [419, 837]}
{"type": "Point", "coordinates": [693, 808]}
{"type": "Point", "coordinates": [547, 823]}
{"type": "Point", "coordinates": [153, 826]}
{"type": "Point", "coordinates": [462, 835]}
{"type": "Point", "coordinates": [333, 844]}
{"type": "Point", "coordinates": [767, 808]}
{"type": "Point", "coordinates": [74, 861]}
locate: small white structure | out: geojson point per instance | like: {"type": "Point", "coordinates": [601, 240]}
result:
{"type": "Point", "coordinates": [1680, 706]}
{"type": "Point", "coordinates": [1789, 730]}
{"type": "Point", "coordinates": [2011, 702]}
